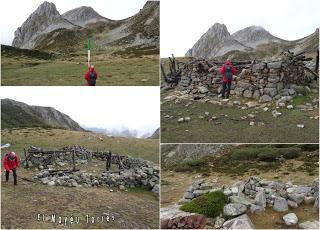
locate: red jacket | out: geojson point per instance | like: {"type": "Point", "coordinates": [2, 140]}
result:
{"type": "Point", "coordinates": [87, 75]}
{"type": "Point", "coordinates": [223, 69]}
{"type": "Point", "coordinates": [10, 161]}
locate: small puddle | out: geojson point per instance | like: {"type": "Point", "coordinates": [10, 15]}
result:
{"type": "Point", "coordinates": [271, 219]}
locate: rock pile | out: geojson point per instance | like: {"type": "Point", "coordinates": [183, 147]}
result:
{"type": "Point", "coordinates": [262, 81]}
{"type": "Point", "coordinates": [145, 175]}
{"type": "Point", "coordinates": [254, 195]}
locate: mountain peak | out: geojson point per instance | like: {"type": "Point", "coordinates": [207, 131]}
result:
{"type": "Point", "coordinates": [254, 35]}
{"type": "Point", "coordinates": [83, 15]}
{"type": "Point", "coordinates": [47, 8]}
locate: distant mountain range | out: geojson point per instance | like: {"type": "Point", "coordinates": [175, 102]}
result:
{"type": "Point", "coordinates": [15, 114]}
{"type": "Point", "coordinates": [251, 41]}
{"type": "Point", "coordinates": [47, 30]}
{"type": "Point", "coordinates": [125, 132]}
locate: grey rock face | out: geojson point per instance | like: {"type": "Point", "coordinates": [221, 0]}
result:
{"type": "Point", "coordinates": [234, 209]}
{"type": "Point", "coordinates": [83, 15]}
{"type": "Point", "coordinates": [260, 199]}
{"type": "Point", "coordinates": [241, 222]}
{"type": "Point", "coordinates": [280, 204]}
{"type": "Point", "coordinates": [45, 19]}
{"type": "Point", "coordinates": [253, 36]}
{"type": "Point", "coordinates": [215, 42]}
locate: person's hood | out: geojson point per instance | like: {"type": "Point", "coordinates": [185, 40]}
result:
{"type": "Point", "coordinates": [91, 69]}
{"type": "Point", "coordinates": [228, 63]}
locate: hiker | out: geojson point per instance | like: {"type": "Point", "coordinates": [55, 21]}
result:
{"type": "Point", "coordinates": [11, 163]}
{"type": "Point", "coordinates": [91, 76]}
{"type": "Point", "coordinates": [227, 70]}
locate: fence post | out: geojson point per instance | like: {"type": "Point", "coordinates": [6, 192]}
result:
{"type": "Point", "coordinates": [73, 163]}
{"type": "Point", "coordinates": [26, 158]}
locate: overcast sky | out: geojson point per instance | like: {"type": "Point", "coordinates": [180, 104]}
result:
{"type": "Point", "coordinates": [183, 22]}
{"type": "Point", "coordinates": [14, 12]}
{"type": "Point", "coordinates": [136, 108]}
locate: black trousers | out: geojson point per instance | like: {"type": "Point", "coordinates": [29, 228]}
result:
{"type": "Point", "coordinates": [226, 87]}
{"type": "Point", "coordinates": [14, 171]}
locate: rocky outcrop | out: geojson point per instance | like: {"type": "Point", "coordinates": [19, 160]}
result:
{"type": "Point", "coordinates": [19, 114]}
{"type": "Point", "coordinates": [45, 19]}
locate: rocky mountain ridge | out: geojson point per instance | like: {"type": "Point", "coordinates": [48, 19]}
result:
{"type": "Point", "coordinates": [217, 41]}
{"type": "Point", "coordinates": [47, 30]}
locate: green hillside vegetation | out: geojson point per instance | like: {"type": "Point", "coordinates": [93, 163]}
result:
{"type": "Point", "coordinates": [15, 117]}
{"type": "Point", "coordinates": [57, 138]}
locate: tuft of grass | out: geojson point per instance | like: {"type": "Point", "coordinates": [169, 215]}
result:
{"type": "Point", "coordinates": [209, 204]}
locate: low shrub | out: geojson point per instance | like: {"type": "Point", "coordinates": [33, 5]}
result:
{"type": "Point", "coordinates": [309, 147]}
{"type": "Point", "coordinates": [209, 204]}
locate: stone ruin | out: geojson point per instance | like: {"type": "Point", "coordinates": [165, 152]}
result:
{"type": "Point", "coordinates": [253, 195]}
{"type": "Point", "coordinates": [132, 172]}
{"type": "Point", "coordinates": [260, 80]}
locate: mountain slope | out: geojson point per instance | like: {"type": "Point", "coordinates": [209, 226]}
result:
{"type": "Point", "coordinates": [83, 15]}
{"type": "Point", "coordinates": [16, 114]}
{"type": "Point", "coordinates": [155, 135]}
{"type": "Point", "coordinates": [248, 43]}
{"type": "Point", "coordinates": [140, 31]}
{"type": "Point", "coordinates": [215, 42]}
{"type": "Point", "coordinates": [253, 36]}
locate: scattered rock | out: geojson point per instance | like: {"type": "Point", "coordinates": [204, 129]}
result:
{"type": "Point", "coordinates": [309, 225]}
{"type": "Point", "coordinates": [290, 219]}
{"type": "Point", "coordinates": [280, 204]}
{"type": "Point", "coordinates": [234, 209]}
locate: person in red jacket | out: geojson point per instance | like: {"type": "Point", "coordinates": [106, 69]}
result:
{"type": "Point", "coordinates": [91, 76]}
{"type": "Point", "coordinates": [227, 71]}
{"type": "Point", "coordinates": [11, 163]}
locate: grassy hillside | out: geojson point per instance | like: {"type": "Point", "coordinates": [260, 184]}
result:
{"type": "Point", "coordinates": [56, 138]}
{"type": "Point", "coordinates": [20, 118]}
{"type": "Point", "coordinates": [229, 127]}
{"type": "Point", "coordinates": [112, 70]}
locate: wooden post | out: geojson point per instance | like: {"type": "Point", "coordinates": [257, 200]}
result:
{"type": "Point", "coordinates": [73, 163]}
{"type": "Point", "coordinates": [317, 63]}
{"type": "Point", "coordinates": [89, 47]}
{"type": "Point", "coordinates": [26, 158]}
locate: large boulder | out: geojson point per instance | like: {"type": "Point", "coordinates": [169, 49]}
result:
{"type": "Point", "coordinates": [173, 217]}
{"type": "Point", "coordinates": [240, 222]}
{"type": "Point", "coordinates": [280, 204]}
{"type": "Point", "coordinates": [260, 199]}
{"type": "Point", "coordinates": [234, 209]}
{"type": "Point", "coordinates": [309, 225]}
{"type": "Point", "coordinates": [290, 219]}
{"type": "Point", "coordinates": [298, 198]}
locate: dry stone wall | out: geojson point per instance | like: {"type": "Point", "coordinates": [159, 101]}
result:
{"type": "Point", "coordinates": [262, 81]}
